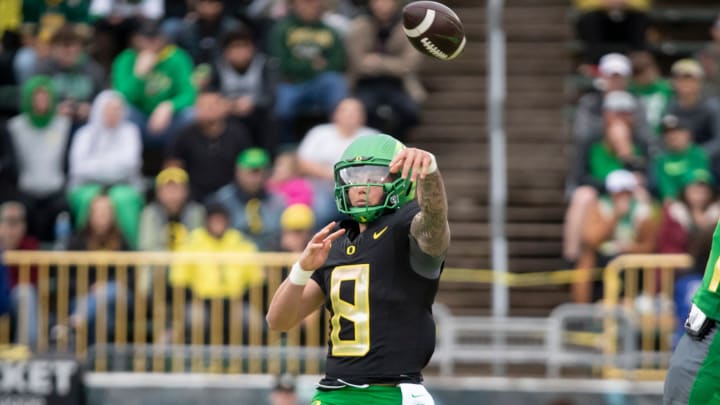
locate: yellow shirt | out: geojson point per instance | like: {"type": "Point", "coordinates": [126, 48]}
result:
{"type": "Point", "coordinates": [217, 281]}
{"type": "Point", "coordinates": [10, 15]}
{"type": "Point", "coordinates": [588, 5]}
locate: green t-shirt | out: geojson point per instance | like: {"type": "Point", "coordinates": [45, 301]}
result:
{"type": "Point", "coordinates": [296, 44]}
{"type": "Point", "coordinates": [707, 297]}
{"type": "Point", "coordinates": [655, 98]}
{"type": "Point", "coordinates": [603, 161]}
{"type": "Point", "coordinates": [671, 168]}
{"type": "Point", "coordinates": [168, 80]}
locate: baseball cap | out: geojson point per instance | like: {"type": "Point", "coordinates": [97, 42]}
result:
{"type": "Point", "coordinates": [689, 67]}
{"type": "Point", "coordinates": [672, 122]}
{"type": "Point", "coordinates": [620, 180]}
{"type": "Point", "coordinates": [148, 28]}
{"type": "Point", "coordinates": [171, 174]}
{"type": "Point", "coordinates": [615, 64]}
{"type": "Point", "coordinates": [697, 176]}
{"type": "Point", "coordinates": [297, 217]}
{"type": "Point", "coordinates": [253, 158]}
{"type": "Point", "coordinates": [620, 101]}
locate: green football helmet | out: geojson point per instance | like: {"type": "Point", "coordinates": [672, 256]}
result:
{"type": "Point", "coordinates": [365, 163]}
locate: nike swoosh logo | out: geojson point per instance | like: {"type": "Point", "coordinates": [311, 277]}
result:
{"type": "Point", "coordinates": [379, 233]}
{"type": "Point", "coordinates": [450, 38]}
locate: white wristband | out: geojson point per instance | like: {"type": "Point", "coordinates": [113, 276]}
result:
{"type": "Point", "coordinates": [432, 168]}
{"type": "Point", "coordinates": [298, 276]}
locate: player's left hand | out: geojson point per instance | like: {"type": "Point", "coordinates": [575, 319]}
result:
{"type": "Point", "coordinates": [413, 161]}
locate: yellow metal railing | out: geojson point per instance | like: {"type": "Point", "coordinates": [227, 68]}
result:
{"type": "Point", "coordinates": [149, 328]}
{"type": "Point", "coordinates": [643, 285]}
{"type": "Point", "coordinates": [160, 327]}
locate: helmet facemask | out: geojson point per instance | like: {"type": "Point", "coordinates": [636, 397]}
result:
{"type": "Point", "coordinates": [395, 190]}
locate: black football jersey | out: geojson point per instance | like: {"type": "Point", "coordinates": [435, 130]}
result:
{"type": "Point", "coordinates": [381, 325]}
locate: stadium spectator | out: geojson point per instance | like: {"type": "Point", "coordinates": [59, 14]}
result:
{"type": "Point", "coordinates": [106, 154]}
{"type": "Point", "coordinates": [616, 149]}
{"type": "Point", "coordinates": [243, 75]}
{"type": "Point", "coordinates": [166, 222]}
{"type": "Point", "coordinates": [692, 216]}
{"type": "Point", "coordinates": [618, 223]}
{"type": "Point", "coordinates": [322, 147]}
{"type": "Point", "coordinates": [174, 17]}
{"type": "Point", "coordinates": [77, 78]}
{"type": "Point", "coordinates": [201, 36]}
{"type": "Point", "coordinates": [648, 85]}
{"type": "Point", "coordinates": [254, 210]}
{"type": "Point", "coordinates": [681, 156]}
{"type": "Point", "coordinates": [611, 26]}
{"type": "Point", "coordinates": [39, 138]}
{"type": "Point", "coordinates": [297, 223]}
{"type": "Point", "coordinates": [208, 148]}
{"type": "Point", "coordinates": [311, 59]}
{"type": "Point", "coordinates": [701, 113]}
{"type": "Point", "coordinates": [383, 66]}
{"type": "Point", "coordinates": [287, 181]}
{"type": "Point", "coordinates": [614, 70]}
{"type": "Point", "coordinates": [8, 167]}
{"type": "Point", "coordinates": [101, 233]}
{"type": "Point", "coordinates": [23, 294]}
{"type": "Point", "coordinates": [283, 392]}
{"type": "Point", "coordinates": [217, 281]}
{"type": "Point", "coordinates": [40, 21]}
{"type": "Point", "coordinates": [115, 21]}
{"type": "Point", "coordinates": [709, 58]}
{"type": "Point", "coordinates": [154, 77]}
{"type": "Point", "coordinates": [9, 47]}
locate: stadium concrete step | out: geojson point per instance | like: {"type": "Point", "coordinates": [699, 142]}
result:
{"type": "Point", "coordinates": [548, 115]}
{"type": "Point", "coordinates": [473, 62]}
{"type": "Point", "coordinates": [519, 84]}
{"type": "Point", "coordinates": [542, 248]}
{"type": "Point", "coordinates": [527, 231]}
{"type": "Point", "coordinates": [454, 128]}
{"type": "Point", "coordinates": [476, 99]}
{"type": "Point", "coordinates": [514, 132]}
{"type": "Point", "coordinates": [515, 179]}
{"type": "Point", "coordinates": [466, 211]}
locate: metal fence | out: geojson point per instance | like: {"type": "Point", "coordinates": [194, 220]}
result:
{"type": "Point", "coordinates": [122, 312]}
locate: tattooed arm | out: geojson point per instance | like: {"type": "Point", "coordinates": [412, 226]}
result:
{"type": "Point", "coordinates": [430, 226]}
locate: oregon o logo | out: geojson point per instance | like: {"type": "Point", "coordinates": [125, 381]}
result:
{"type": "Point", "coordinates": [350, 250]}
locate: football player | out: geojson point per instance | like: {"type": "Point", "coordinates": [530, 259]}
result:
{"type": "Point", "coordinates": [694, 375]}
{"type": "Point", "coordinates": [377, 275]}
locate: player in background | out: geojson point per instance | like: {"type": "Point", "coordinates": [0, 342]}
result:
{"type": "Point", "coordinates": [694, 374]}
{"type": "Point", "coordinates": [377, 275]}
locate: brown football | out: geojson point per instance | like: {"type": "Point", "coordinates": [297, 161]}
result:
{"type": "Point", "coordinates": [434, 29]}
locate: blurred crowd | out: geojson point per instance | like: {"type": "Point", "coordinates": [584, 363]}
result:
{"type": "Point", "coordinates": [198, 125]}
{"type": "Point", "coordinates": [647, 148]}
